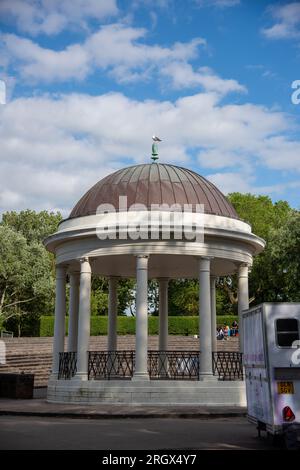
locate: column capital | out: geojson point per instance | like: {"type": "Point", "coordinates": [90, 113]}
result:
{"type": "Point", "coordinates": [85, 265]}
{"type": "Point", "coordinates": [142, 262]}
{"type": "Point", "coordinates": [243, 270]}
{"type": "Point", "coordinates": [204, 263]}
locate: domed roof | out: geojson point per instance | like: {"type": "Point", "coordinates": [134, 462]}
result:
{"type": "Point", "coordinates": [154, 183]}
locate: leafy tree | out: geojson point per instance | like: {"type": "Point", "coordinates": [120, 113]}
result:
{"type": "Point", "coordinates": [266, 219]}
{"type": "Point", "coordinates": [27, 268]}
{"type": "Point", "coordinates": [35, 226]}
{"type": "Point", "coordinates": [25, 285]}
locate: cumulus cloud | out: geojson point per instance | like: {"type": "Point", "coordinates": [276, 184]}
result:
{"type": "Point", "coordinates": [51, 17]}
{"type": "Point", "coordinates": [182, 75]}
{"type": "Point", "coordinates": [120, 51]}
{"type": "Point", "coordinates": [286, 21]}
{"type": "Point", "coordinates": [55, 148]}
{"type": "Point", "coordinates": [115, 48]}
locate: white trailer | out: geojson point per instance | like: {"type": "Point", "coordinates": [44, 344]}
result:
{"type": "Point", "coordinates": [271, 333]}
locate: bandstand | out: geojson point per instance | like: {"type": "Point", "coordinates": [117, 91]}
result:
{"type": "Point", "coordinates": [112, 232]}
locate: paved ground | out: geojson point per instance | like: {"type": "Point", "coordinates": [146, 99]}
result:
{"type": "Point", "coordinates": [39, 407]}
{"type": "Point", "coordinates": [128, 434]}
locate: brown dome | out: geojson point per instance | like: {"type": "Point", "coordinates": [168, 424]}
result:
{"type": "Point", "coordinates": [154, 183]}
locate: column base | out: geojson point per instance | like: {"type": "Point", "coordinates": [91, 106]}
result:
{"type": "Point", "coordinates": [140, 377]}
{"type": "Point", "coordinates": [80, 377]}
{"type": "Point", "coordinates": [208, 378]}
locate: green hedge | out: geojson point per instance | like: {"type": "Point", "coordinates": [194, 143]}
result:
{"type": "Point", "coordinates": [126, 325]}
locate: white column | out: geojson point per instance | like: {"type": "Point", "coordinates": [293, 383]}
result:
{"type": "Point", "coordinates": [213, 313]}
{"type": "Point", "coordinates": [60, 314]}
{"type": "Point", "coordinates": [73, 312]}
{"type": "Point", "coordinates": [243, 298]}
{"type": "Point", "coordinates": [112, 314]}
{"type": "Point", "coordinates": [84, 320]}
{"type": "Point", "coordinates": [205, 320]}
{"type": "Point", "coordinates": [163, 314]}
{"type": "Point", "coordinates": [163, 326]}
{"type": "Point", "coordinates": [141, 335]}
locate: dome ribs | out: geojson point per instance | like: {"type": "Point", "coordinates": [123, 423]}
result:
{"type": "Point", "coordinates": [154, 183]}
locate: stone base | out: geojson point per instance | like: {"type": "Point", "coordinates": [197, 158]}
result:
{"type": "Point", "coordinates": [154, 392]}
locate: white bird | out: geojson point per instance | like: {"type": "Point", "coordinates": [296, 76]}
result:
{"type": "Point", "coordinates": [156, 139]}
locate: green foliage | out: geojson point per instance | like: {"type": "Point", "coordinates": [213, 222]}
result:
{"type": "Point", "coordinates": [268, 220]}
{"type": "Point", "coordinates": [126, 296]}
{"type": "Point", "coordinates": [179, 325]}
{"type": "Point", "coordinates": [34, 226]}
{"type": "Point", "coordinates": [26, 269]}
{"type": "Point", "coordinates": [183, 297]}
{"type": "Point", "coordinates": [260, 212]}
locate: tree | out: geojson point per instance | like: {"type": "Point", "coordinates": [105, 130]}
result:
{"type": "Point", "coordinates": [35, 226]}
{"type": "Point", "coordinates": [24, 276]}
{"type": "Point", "coordinates": [183, 297]}
{"type": "Point", "coordinates": [266, 219]}
{"type": "Point", "coordinates": [28, 288]}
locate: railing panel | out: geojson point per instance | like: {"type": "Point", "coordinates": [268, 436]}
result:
{"type": "Point", "coordinates": [228, 365]}
{"type": "Point", "coordinates": [67, 365]}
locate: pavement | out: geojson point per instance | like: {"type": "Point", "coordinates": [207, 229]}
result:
{"type": "Point", "coordinates": [39, 407]}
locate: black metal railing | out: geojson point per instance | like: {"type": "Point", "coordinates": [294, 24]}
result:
{"type": "Point", "coordinates": [162, 365]}
{"type": "Point", "coordinates": [173, 365]}
{"type": "Point", "coordinates": [67, 365]}
{"type": "Point", "coordinates": [111, 364]}
{"type": "Point", "coordinates": [228, 365]}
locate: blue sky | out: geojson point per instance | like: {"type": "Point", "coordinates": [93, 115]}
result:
{"type": "Point", "coordinates": [88, 82]}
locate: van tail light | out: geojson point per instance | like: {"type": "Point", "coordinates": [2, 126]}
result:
{"type": "Point", "coordinates": [288, 414]}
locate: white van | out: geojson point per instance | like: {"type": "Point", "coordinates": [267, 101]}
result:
{"type": "Point", "coordinates": [271, 338]}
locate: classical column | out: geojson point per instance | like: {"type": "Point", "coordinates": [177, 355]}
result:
{"type": "Point", "coordinates": [84, 319]}
{"type": "Point", "coordinates": [243, 298]}
{"type": "Point", "coordinates": [73, 311]}
{"type": "Point", "coordinates": [163, 325]}
{"type": "Point", "coordinates": [163, 314]}
{"type": "Point", "coordinates": [213, 313]}
{"type": "Point", "coordinates": [60, 314]}
{"type": "Point", "coordinates": [205, 320]}
{"type": "Point", "coordinates": [112, 313]}
{"type": "Point", "coordinates": [141, 335]}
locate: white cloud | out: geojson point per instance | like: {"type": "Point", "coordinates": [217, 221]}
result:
{"type": "Point", "coordinates": [230, 182]}
{"type": "Point", "coordinates": [54, 149]}
{"type": "Point", "coordinates": [182, 75]}
{"type": "Point", "coordinates": [287, 21]}
{"type": "Point", "coordinates": [52, 16]}
{"type": "Point", "coordinates": [116, 48]}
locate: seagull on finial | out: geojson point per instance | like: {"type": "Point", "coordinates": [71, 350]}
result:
{"type": "Point", "coordinates": [155, 148]}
